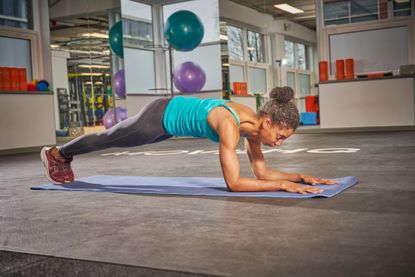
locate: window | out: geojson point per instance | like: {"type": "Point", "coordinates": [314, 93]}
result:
{"type": "Point", "coordinates": [235, 42]}
{"type": "Point", "coordinates": [137, 24]}
{"type": "Point", "coordinates": [10, 46]}
{"type": "Point", "coordinates": [402, 8]}
{"type": "Point", "coordinates": [296, 55]}
{"type": "Point", "coordinates": [16, 13]}
{"type": "Point", "coordinates": [138, 42]}
{"type": "Point", "coordinates": [338, 12]}
{"type": "Point", "coordinates": [246, 54]}
{"type": "Point", "coordinates": [298, 71]}
{"type": "Point", "coordinates": [17, 35]}
{"type": "Point", "coordinates": [207, 55]}
{"type": "Point", "coordinates": [255, 43]}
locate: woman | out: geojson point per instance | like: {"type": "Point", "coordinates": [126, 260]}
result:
{"type": "Point", "coordinates": [219, 120]}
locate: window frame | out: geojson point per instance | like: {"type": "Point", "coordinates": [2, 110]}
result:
{"type": "Point", "coordinates": [34, 36]}
{"type": "Point", "coordinates": [246, 63]}
{"type": "Point", "coordinates": [35, 50]}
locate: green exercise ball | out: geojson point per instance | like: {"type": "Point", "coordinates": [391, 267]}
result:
{"type": "Point", "coordinates": [184, 30]}
{"type": "Point", "coordinates": [115, 38]}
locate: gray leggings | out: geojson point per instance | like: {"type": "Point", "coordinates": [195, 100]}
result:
{"type": "Point", "coordinates": [144, 128]}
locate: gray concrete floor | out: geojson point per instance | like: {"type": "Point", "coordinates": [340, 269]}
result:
{"type": "Point", "coordinates": [368, 230]}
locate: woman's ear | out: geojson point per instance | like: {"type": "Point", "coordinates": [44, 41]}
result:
{"type": "Point", "coordinates": [267, 122]}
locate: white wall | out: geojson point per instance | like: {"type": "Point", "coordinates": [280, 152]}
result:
{"type": "Point", "coordinates": [26, 120]}
{"type": "Point", "coordinates": [60, 78]}
{"type": "Point", "coordinates": [367, 103]}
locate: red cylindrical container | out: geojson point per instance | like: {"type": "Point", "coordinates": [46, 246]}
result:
{"type": "Point", "coordinates": [349, 69]}
{"type": "Point", "coordinates": [323, 70]}
{"type": "Point", "coordinates": [310, 104]}
{"type": "Point", "coordinates": [339, 69]}
{"type": "Point", "coordinates": [14, 79]}
{"type": "Point", "coordinates": [5, 78]}
{"type": "Point", "coordinates": [22, 79]}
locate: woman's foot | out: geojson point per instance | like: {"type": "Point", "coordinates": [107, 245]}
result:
{"type": "Point", "coordinates": [58, 168]}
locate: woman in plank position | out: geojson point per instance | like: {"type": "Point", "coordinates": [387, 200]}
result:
{"type": "Point", "coordinates": [219, 120]}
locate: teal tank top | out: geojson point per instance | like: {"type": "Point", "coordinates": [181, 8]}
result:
{"type": "Point", "coordinates": [187, 116]}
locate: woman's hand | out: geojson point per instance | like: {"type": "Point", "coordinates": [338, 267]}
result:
{"type": "Point", "coordinates": [317, 181]}
{"type": "Point", "coordinates": [303, 189]}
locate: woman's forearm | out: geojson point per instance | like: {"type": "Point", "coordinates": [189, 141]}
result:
{"type": "Point", "coordinates": [251, 185]}
{"type": "Point", "coordinates": [271, 174]}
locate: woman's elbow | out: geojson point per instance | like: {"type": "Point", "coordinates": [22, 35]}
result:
{"type": "Point", "coordinates": [233, 186]}
{"type": "Point", "coordinates": [260, 175]}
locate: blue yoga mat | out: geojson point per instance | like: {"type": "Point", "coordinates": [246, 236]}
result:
{"type": "Point", "coordinates": [200, 186]}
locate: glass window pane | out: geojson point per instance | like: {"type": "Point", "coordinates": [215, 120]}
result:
{"type": "Point", "coordinates": [289, 54]}
{"type": "Point", "coordinates": [206, 10]}
{"type": "Point", "coordinates": [363, 7]}
{"type": "Point", "coordinates": [301, 56]}
{"type": "Point", "coordinates": [336, 22]}
{"type": "Point", "coordinates": [401, 9]}
{"type": "Point", "coordinates": [291, 80]}
{"type": "Point", "coordinates": [364, 18]}
{"type": "Point", "coordinates": [256, 47]}
{"type": "Point", "coordinates": [335, 9]}
{"type": "Point", "coordinates": [235, 43]}
{"type": "Point", "coordinates": [304, 84]}
{"type": "Point", "coordinates": [257, 80]}
{"type": "Point", "coordinates": [209, 60]}
{"type": "Point", "coordinates": [139, 78]}
{"type": "Point", "coordinates": [8, 57]}
{"type": "Point", "coordinates": [137, 24]}
{"type": "Point", "coordinates": [16, 13]}
{"type": "Point", "coordinates": [236, 74]}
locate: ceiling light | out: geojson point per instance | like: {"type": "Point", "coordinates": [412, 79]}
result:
{"type": "Point", "coordinates": [94, 35]}
{"type": "Point", "coordinates": [401, 1]}
{"type": "Point", "coordinates": [288, 8]}
{"type": "Point", "coordinates": [84, 74]}
{"type": "Point", "coordinates": [94, 66]}
{"type": "Point", "coordinates": [87, 52]}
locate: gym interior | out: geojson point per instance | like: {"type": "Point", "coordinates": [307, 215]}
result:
{"type": "Point", "coordinates": [75, 67]}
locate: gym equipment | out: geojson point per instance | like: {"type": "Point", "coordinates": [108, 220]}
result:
{"type": "Point", "coordinates": [109, 119]}
{"type": "Point", "coordinates": [184, 30]}
{"type": "Point", "coordinates": [201, 186]}
{"type": "Point", "coordinates": [119, 83]}
{"type": "Point", "coordinates": [42, 85]}
{"type": "Point", "coordinates": [189, 77]}
{"type": "Point", "coordinates": [115, 39]}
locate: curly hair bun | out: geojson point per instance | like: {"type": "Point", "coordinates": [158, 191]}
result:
{"type": "Point", "coordinates": [281, 94]}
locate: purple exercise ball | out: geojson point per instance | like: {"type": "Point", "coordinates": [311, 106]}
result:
{"type": "Point", "coordinates": [189, 77]}
{"type": "Point", "coordinates": [109, 116]}
{"type": "Point", "coordinates": [119, 83]}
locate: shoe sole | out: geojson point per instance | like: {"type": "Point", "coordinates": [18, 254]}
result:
{"type": "Point", "coordinates": [45, 164]}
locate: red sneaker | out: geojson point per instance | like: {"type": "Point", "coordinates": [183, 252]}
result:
{"type": "Point", "coordinates": [58, 170]}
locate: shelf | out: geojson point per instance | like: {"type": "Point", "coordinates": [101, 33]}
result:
{"type": "Point", "coordinates": [27, 92]}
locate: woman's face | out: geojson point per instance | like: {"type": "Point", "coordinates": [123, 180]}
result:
{"type": "Point", "coordinates": [274, 135]}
